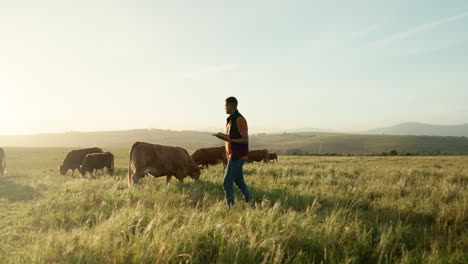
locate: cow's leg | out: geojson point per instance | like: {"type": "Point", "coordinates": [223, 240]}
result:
{"type": "Point", "coordinates": [111, 171]}
{"type": "Point", "coordinates": [179, 175]}
{"type": "Point", "coordinates": [168, 178]}
{"type": "Point", "coordinates": [73, 172]}
{"type": "Point", "coordinates": [137, 175]}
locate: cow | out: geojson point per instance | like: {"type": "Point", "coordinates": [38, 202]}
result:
{"type": "Point", "coordinates": [159, 161]}
{"type": "Point", "coordinates": [75, 158]}
{"type": "Point", "coordinates": [273, 156]}
{"type": "Point", "coordinates": [97, 161]}
{"type": "Point", "coordinates": [210, 156]}
{"type": "Point", "coordinates": [258, 155]}
{"type": "Point", "coordinates": [2, 163]}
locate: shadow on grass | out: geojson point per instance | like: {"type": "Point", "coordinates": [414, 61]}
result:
{"type": "Point", "coordinates": [362, 207]}
{"type": "Point", "coordinates": [294, 201]}
{"type": "Point", "coordinates": [16, 192]}
{"type": "Point", "coordinates": [205, 193]}
{"type": "Point", "coordinates": [411, 225]}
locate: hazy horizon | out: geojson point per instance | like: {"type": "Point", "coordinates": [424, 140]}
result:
{"type": "Point", "coordinates": [329, 65]}
{"type": "Point", "coordinates": [213, 129]}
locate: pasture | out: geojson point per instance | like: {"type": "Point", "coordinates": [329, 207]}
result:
{"type": "Point", "coordinates": [308, 210]}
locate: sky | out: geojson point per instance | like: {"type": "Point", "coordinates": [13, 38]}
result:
{"type": "Point", "coordinates": [333, 65]}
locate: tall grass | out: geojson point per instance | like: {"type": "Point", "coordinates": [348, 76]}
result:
{"type": "Point", "coordinates": [308, 210]}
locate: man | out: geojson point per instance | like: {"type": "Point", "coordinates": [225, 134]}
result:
{"type": "Point", "coordinates": [237, 150]}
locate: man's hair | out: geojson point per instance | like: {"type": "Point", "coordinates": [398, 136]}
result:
{"type": "Point", "coordinates": [232, 101]}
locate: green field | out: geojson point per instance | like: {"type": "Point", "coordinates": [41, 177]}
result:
{"type": "Point", "coordinates": [309, 210]}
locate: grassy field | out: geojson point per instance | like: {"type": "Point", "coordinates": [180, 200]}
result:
{"type": "Point", "coordinates": [309, 210]}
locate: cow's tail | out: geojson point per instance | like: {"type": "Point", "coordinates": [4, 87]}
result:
{"type": "Point", "coordinates": [3, 171]}
{"type": "Point", "coordinates": [130, 171]}
{"type": "Point", "coordinates": [266, 157]}
{"type": "Point", "coordinates": [112, 164]}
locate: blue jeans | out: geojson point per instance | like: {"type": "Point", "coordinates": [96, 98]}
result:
{"type": "Point", "coordinates": [235, 174]}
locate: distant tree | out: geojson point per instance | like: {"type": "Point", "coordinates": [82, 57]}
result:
{"type": "Point", "coordinates": [393, 153]}
{"type": "Point", "coordinates": [295, 152]}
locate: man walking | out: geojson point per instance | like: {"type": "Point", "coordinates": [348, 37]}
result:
{"type": "Point", "coordinates": [237, 150]}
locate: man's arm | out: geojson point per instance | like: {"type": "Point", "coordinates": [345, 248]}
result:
{"type": "Point", "coordinates": [243, 131]}
{"type": "Point", "coordinates": [243, 140]}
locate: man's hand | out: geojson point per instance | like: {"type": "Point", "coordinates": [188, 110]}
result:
{"type": "Point", "coordinates": [222, 137]}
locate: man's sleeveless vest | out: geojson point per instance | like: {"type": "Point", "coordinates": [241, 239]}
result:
{"type": "Point", "coordinates": [237, 150]}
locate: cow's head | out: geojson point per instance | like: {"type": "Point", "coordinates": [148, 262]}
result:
{"type": "Point", "coordinates": [82, 170]}
{"type": "Point", "coordinates": [195, 173]}
{"type": "Point", "coordinates": [63, 170]}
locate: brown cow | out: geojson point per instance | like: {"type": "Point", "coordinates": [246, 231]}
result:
{"type": "Point", "coordinates": [159, 160]}
{"type": "Point", "coordinates": [273, 156]}
{"type": "Point", "coordinates": [97, 161]}
{"type": "Point", "coordinates": [75, 158]}
{"type": "Point", "coordinates": [2, 163]}
{"type": "Point", "coordinates": [258, 155]}
{"type": "Point", "coordinates": [210, 156]}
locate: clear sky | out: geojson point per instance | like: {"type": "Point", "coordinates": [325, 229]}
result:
{"type": "Point", "coordinates": [341, 65]}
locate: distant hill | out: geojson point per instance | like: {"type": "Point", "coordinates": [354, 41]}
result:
{"type": "Point", "coordinates": [362, 144]}
{"type": "Point", "coordinates": [413, 128]}
{"type": "Point", "coordinates": [113, 139]}
{"type": "Point", "coordinates": [285, 143]}
{"type": "Point", "coordinates": [303, 130]}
